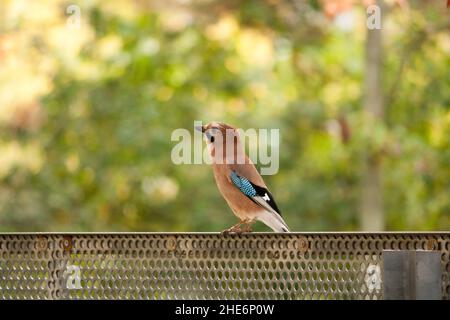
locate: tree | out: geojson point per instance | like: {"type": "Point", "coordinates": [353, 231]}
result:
{"type": "Point", "coordinates": [371, 185]}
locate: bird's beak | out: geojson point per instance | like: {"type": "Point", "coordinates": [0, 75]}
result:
{"type": "Point", "coordinates": [200, 128]}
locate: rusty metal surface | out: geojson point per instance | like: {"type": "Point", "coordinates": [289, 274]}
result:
{"type": "Point", "coordinates": [204, 265]}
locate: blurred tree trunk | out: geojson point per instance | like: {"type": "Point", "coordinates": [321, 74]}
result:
{"type": "Point", "coordinates": [372, 199]}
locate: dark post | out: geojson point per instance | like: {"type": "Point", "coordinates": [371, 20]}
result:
{"type": "Point", "coordinates": [412, 275]}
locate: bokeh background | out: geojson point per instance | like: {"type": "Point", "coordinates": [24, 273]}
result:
{"type": "Point", "coordinates": [86, 113]}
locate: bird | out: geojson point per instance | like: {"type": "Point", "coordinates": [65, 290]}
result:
{"type": "Point", "coordinates": [239, 181]}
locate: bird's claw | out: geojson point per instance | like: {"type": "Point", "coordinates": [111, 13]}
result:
{"type": "Point", "coordinates": [237, 229]}
{"type": "Point", "coordinates": [234, 229]}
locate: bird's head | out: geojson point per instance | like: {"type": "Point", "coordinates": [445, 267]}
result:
{"type": "Point", "coordinates": [222, 139]}
{"type": "Point", "coordinates": [215, 131]}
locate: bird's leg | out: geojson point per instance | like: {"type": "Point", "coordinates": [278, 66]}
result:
{"type": "Point", "coordinates": [234, 229]}
{"type": "Point", "coordinates": [248, 225]}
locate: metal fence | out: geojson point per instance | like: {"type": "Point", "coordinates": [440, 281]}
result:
{"type": "Point", "coordinates": [204, 265]}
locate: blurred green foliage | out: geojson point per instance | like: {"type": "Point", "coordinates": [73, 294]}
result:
{"type": "Point", "coordinates": [87, 113]}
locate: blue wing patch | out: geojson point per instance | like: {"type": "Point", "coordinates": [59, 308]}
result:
{"type": "Point", "coordinates": [254, 192]}
{"type": "Point", "coordinates": [243, 184]}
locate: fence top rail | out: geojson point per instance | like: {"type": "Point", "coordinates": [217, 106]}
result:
{"type": "Point", "coordinates": [296, 233]}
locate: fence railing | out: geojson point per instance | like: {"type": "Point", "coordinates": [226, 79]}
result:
{"type": "Point", "coordinates": [205, 265]}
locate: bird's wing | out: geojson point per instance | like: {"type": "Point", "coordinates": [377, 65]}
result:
{"type": "Point", "coordinates": [259, 195]}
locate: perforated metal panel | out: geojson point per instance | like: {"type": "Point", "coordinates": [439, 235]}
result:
{"type": "Point", "coordinates": [204, 266]}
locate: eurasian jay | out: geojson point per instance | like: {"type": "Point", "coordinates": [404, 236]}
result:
{"type": "Point", "coordinates": [238, 180]}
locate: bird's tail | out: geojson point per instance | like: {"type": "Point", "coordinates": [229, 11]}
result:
{"type": "Point", "coordinates": [273, 220]}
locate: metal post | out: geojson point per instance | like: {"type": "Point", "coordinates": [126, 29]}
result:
{"type": "Point", "coordinates": [412, 275]}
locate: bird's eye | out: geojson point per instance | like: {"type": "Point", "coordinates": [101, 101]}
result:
{"type": "Point", "coordinates": [211, 139]}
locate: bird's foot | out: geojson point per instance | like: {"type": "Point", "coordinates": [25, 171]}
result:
{"type": "Point", "coordinates": [236, 229]}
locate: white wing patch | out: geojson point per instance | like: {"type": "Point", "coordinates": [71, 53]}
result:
{"type": "Point", "coordinates": [266, 197]}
